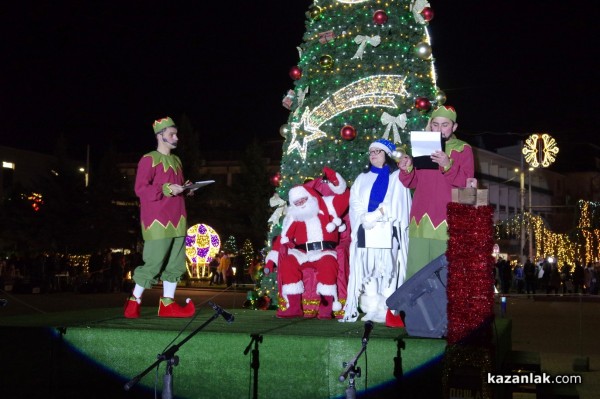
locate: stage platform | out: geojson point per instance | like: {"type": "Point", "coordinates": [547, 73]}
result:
{"type": "Point", "coordinates": [94, 353]}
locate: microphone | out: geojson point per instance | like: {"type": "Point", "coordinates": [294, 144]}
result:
{"type": "Point", "coordinates": [368, 329]}
{"type": "Point", "coordinates": [226, 315]}
{"type": "Point", "coordinates": [3, 302]}
{"type": "Point", "coordinates": [167, 141]}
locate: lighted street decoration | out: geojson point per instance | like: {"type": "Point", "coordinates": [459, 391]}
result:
{"type": "Point", "coordinates": [202, 244]}
{"type": "Point", "coordinates": [540, 150]}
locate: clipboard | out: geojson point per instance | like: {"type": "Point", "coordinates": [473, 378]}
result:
{"type": "Point", "coordinates": [198, 184]}
{"type": "Point", "coordinates": [423, 144]}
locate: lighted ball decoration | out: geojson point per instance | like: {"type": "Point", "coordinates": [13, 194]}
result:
{"type": "Point", "coordinates": [427, 14]}
{"type": "Point", "coordinates": [422, 104]}
{"type": "Point", "coordinates": [380, 17]}
{"type": "Point", "coordinates": [295, 72]}
{"type": "Point", "coordinates": [348, 133]}
{"type": "Point", "coordinates": [202, 244]}
{"type": "Point", "coordinates": [326, 61]}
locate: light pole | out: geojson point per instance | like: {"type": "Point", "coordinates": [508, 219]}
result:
{"type": "Point", "coordinates": [522, 198]}
{"type": "Point", "coordinates": [530, 216]}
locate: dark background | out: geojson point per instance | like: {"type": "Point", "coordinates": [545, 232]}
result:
{"type": "Point", "coordinates": [101, 73]}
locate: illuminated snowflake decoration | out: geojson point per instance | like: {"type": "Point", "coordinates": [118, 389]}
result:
{"type": "Point", "coordinates": [540, 150]}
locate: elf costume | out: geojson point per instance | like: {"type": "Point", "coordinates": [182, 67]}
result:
{"type": "Point", "coordinates": [164, 226]}
{"type": "Point", "coordinates": [428, 229]}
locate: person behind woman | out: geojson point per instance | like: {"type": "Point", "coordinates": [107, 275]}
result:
{"type": "Point", "coordinates": [377, 195]}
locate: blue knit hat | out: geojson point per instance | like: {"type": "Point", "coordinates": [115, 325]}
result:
{"type": "Point", "coordinates": [385, 145]}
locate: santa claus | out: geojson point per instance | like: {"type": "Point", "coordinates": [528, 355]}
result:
{"type": "Point", "coordinates": [311, 233]}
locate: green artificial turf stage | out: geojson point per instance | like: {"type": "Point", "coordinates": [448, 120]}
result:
{"type": "Point", "coordinates": [299, 358]}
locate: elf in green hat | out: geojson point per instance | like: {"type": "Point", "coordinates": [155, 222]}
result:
{"type": "Point", "coordinates": [428, 229]}
{"type": "Point", "coordinates": [160, 186]}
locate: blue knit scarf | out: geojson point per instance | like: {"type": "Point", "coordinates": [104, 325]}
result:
{"type": "Point", "coordinates": [380, 186]}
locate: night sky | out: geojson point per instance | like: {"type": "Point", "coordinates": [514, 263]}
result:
{"type": "Point", "coordinates": [100, 74]}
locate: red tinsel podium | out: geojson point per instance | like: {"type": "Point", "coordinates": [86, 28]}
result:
{"type": "Point", "coordinates": [470, 291]}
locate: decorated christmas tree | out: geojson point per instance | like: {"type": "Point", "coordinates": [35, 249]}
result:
{"type": "Point", "coordinates": [230, 247]}
{"type": "Point", "coordinates": [365, 71]}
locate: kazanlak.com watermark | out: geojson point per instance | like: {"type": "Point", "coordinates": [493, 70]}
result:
{"type": "Point", "coordinates": [532, 378]}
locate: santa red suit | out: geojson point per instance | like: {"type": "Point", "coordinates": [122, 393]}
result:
{"type": "Point", "coordinates": [311, 233]}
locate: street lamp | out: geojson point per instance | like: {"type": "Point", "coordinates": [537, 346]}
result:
{"type": "Point", "coordinates": [86, 175]}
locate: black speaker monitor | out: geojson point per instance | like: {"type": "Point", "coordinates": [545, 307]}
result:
{"type": "Point", "coordinates": [423, 301]}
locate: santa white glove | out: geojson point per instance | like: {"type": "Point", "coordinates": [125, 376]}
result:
{"type": "Point", "coordinates": [369, 219]}
{"type": "Point", "coordinates": [373, 216]}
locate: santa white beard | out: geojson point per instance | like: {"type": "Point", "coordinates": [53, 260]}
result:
{"type": "Point", "coordinates": [308, 210]}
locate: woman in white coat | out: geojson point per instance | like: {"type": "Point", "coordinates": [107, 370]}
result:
{"type": "Point", "coordinates": [378, 200]}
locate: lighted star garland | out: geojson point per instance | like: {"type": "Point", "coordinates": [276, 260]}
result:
{"type": "Point", "coordinates": [582, 244]}
{"type": "Point", "coordinates": [372, 91]}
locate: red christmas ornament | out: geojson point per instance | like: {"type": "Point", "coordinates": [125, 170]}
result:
{"type": "Point", "coordinates": [427, 14]}
{"type": "Point", "coordinates": [295, 72]}
{"type": "Point", "coordinates": [422, 104]}
{"type": "Point", "coordinates": [276, 179]}
{"type": "Point", "coordinates": [380, 17]}
{"type": "Point", "coordinates": [348, 133]}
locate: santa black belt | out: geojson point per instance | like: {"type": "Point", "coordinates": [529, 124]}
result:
{"type": "Point", "coordinates": [316, 246]}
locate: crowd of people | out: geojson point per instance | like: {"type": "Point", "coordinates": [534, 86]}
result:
{"type": "Point", "coordinates": [546, 277]}
{"type": "Point", "coordinates": [103, 271]}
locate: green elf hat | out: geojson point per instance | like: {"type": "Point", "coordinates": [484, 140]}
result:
{"type": "Point", "coordinates": [445, 111]}
{"type": "Point", "coordinates": [162, 123]}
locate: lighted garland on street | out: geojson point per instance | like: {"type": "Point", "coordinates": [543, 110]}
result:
{"type": "Point", "coordinates": [582, 244]}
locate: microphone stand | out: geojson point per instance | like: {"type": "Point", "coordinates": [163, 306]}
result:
{"type": "Point", "coordinates": [171, 359]}
{"type": "Point", "coordinates": [255, 361]}
{"type": "Point", "coordinates": [351, 372]}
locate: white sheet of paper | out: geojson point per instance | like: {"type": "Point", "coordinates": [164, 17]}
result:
{"type": "Point", "coordinates": [425, 143]}
{"type": "Point", "coordinates": [198, 184]}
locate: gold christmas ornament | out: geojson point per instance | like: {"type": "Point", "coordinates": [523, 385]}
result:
{"type": "Point", "coordinates": [326, 61]}
{"type": "Point", "coordinates": [315, 12]}
{"type": "Point", "coordinates": [440, 97]}
{"type": "Point", "coordinates": [284, 130]}
{"type": "Point", "coordinates": [423, 50]}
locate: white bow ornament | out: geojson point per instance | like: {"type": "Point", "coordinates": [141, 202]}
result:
{"type": "Point", "coordinates": [276, 201]}
{"type": "Point", "coordinates": [392, 123]}
{"type": "Point", "coordinates": [362, 42]}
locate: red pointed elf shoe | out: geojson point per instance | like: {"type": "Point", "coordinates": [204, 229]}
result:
{"type": "Point", "coordinates": [169, 308]}
{"type": "Point", "coordinates": [132, 307]}
{"type": "Point", "coordinates": [393, 320]}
